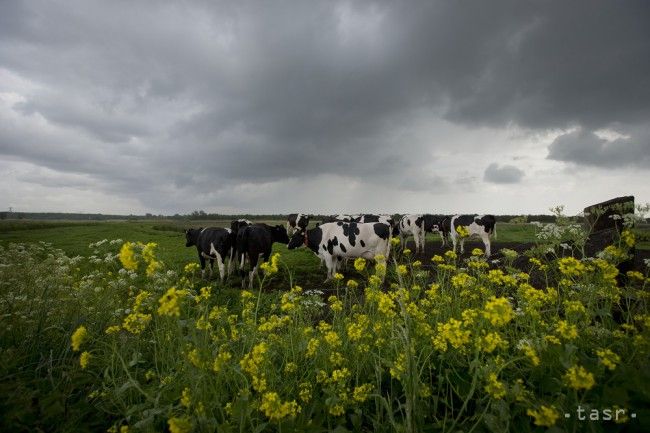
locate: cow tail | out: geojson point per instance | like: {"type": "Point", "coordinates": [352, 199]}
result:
{"type": "Point", "coordinates": [494, 230]}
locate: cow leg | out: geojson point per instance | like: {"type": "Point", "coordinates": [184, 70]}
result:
{"type": "Point", "coordinates": [220, 264]}
{"type": "Point", "coordinates": [462, 245]}
{"type": "Point", "coordinates": [330, 266]}
{"type": "Point", "coordinates": [202, 261]}
{"type": "Point", "coordinates": [254, 265]}
{"type": "Point", "coordinates": [486, 243]}
{"type": "Point", "coordinates": [210, 265]}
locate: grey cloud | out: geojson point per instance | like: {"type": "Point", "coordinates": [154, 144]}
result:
{"type": "Point", "coordinates": [505, 174]}
{"type": "Point", "coordinates": [176, 98]}
{"type": "Point", "coordinates": [586, 148]}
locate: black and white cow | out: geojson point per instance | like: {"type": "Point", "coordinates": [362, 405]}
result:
{"type": "Point", "coordinates": [336, 240]}
{"type": "Point", "coordinates": [437, 224]}
{"type": "Point", "coordinates": [256, 241]}
{"type": "Point", "coordinates": [235, 226]}
{"type": "Point", "coordinates": [295, 221]}
{"type": "Point", "coordinates": [413, 224]}
{"type": "Point", "coordinates": [212, 243]}
{"type": "Point", "coordinates": [477, 225]}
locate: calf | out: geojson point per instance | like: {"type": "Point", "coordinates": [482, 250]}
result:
{"type": "Point", "coordinates": [295, 221]}
{"type": "Point", "coordinates": [477, 225]}
{"type": "Point", "coordinates": [213, 243]}
{"type": "Point", "coordinates": [413, 224]}
{"type": "Point", "coordinates": [256, 241]}
{"type": "Point", "coordinates": [333, 241]}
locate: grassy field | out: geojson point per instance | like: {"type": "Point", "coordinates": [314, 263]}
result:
{"type": "Point", "coordinates": [74, 237]}
{"type": "Point", "coordinates": [93, 341]}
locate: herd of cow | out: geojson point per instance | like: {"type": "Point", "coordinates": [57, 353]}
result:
{"type": "Point", "coordinates": [332, 240]}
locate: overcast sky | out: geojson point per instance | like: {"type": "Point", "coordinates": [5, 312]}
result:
{"type": "Point", "coordinates": [333, 106]}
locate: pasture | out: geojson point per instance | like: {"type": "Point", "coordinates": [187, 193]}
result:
{"type": "Point", "coordinates": [93, 342]}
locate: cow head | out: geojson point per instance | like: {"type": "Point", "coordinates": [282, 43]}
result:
{"type": "Point", "coordinates": [280, 234]}
{"type": "Point", "coordinates": [191, 236]}
{"type": "Point", "coordinates": [297, 240]}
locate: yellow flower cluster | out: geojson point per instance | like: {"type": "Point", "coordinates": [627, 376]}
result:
{"type": "Point", "coordinates": [84, 359]}
{"type": "Point", "coordinates": [491, 341]}
{"type": "Point", "coordinates": [571, 267]}
{"type": "Point", "coordinates": [608, 358]}
{"type": "Point", "coordinates": [495, 388]}
{"type": "Point", "coordinates": [275, 409]}
{"type": "Point", "coordinates": [451, 332]}
{"type": "Point", "coordinates": [566, 330]}
{"type": "Point", "coordinates": [252, 362]}
{"type": "Point", "coordinates": [169, 302]}
{"type": "Point", "coordinates": [191, 268]}
{"type": "Point", "coordinates": [127, 256]}
{"type": "Point", "coordinates": [179, 425]}
{"type": "Point", "coordinates": [530, 352]}
{"type": "Point", "coordinates": [498, 311]}
{"type": "Point", "coordinates": [274, 322]}
{"type": "Point", "coordinates": [462, 280]}
{"type": "Point", "coordinates": [149, 256]}
{"type": "Point", "coordinates": [628, 238]}
{"type": "Point", "coordinates": [221, 360]}
{"type": "Point", "coordinates": [577, 377]}
{"type": "Point", "coordinates": [360, 263]}
{"type": "Point", "coordinates": [362, 392]}
{"type": "Point", "coordinates": [545, 416]}
{"type": "Point", "coordinates": [271, 267]}
{"type": "Point", "coordinates": [79, 336]}
{"type": "Point", "coordinates": [336, 304]}
{"type": "Point", "coordinates": [291, 299]}
{"type": "Point", "coordinates": [358, 327]}
{"type": "Point", "coordinates": [462, 231]}
{"type": "Point", "coordinates": [136, 322]}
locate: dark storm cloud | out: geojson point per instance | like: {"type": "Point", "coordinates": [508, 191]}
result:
{"type": "Point", "coordinates": [585, 147]}
{"type": "Point", "coordinates": [495, 173]}
{"type": "Point", "coordinates": [207, 95]}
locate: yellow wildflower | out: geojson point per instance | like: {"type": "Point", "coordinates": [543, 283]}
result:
{"type": "Point", "coordinates": [186, 398]}
{"type": "Point", "coordinates": [78, 337]}
{"type": "Point", "coordinates": [149, 256]}
{"type": "Point", "coordinates": [362, 392]}
{"type": "Point", "coordinates": [190, 268]}
{"type": "Point", "coordinates": [477, 252]}
{"type": "Point", "coordinates": [338, 277]}
{"type": "Point", "coordinates": [275, 409]}
{"type": "Point", "coordinates": [113, 329]}
{"type": "Point", "coordinates": [462, 231]}
{"type": "Point", "coordinates": [84, 359]}
{"type": "Point", "coordinates": [544, 416]}
{"type": "Point", "coordinates": [566, 330]}
{"type": "Point", "coordinates": [494, 387]}
{"type": "Point", "coordinates": [169, 302]}
{"type": "Point", "coordinates": [571, 267]}
{"type": "Point", "coordinates": [127, 256]}
{"type": "Point", "coordinates": [578, 377]}
{"type": "Point", "coordinates": [221, 360]}
{"type": "Point", "coordinates": [498, 311]}
{"type": "Point", "coordinates": [359, 264]}
{"type": "Point", "coordinates": [179, 424]}
{"type": "Point", "coordinates": [135, 322]}
{"type": "Point", "coordinates": [608, 358]}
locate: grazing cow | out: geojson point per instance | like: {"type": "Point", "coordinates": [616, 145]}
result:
{"type": "Point", "coordinates": [476, 225]}
{"type": "Point", "coordinates": [295, 221]}
{"type": "Point", "coordinates": [413, 224]}
{"type": "Point", "coordinates": [437, 224]}
{"type": "Point", "coordinates": [212, 243]}
{"type": "Point", "coordinates": [256, 241]}
{"type": "Point", "coordinates": [333, 241]}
